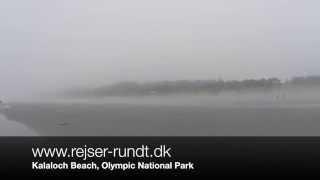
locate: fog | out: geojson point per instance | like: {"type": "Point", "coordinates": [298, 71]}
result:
{"type": "Point", "coordinates": [48, 46]}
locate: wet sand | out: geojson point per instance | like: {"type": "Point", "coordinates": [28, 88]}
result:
{"type": "Point", "coordinates": [79, 119]}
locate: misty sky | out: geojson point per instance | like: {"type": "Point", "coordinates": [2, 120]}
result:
{"type": "Point", "coordinates": [68, 43]}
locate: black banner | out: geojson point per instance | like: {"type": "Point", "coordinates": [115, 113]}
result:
{"type": "Point", "coordinates": [159, 156]}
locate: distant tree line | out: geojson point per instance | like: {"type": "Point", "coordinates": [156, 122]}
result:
{"type": "Point", "coordinates": [194, 87]}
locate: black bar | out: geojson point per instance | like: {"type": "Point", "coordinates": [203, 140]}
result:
{"type": "Point", "coordinates": [213, 156]}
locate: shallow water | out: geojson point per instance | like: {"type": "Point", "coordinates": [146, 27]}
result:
{"type": "Point", "coordinates": [12, 128]}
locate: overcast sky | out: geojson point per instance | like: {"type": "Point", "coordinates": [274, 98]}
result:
{"type": "Point", "coordinates": [65, 43]}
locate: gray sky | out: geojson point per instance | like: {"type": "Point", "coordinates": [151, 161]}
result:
{"type": "Point", "coordinates": [65, 43]}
